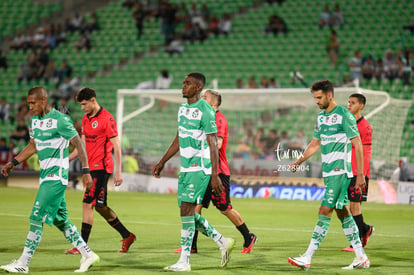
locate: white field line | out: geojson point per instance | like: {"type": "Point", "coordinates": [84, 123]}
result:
{"type": "Point", "coordinates": [256, 228]}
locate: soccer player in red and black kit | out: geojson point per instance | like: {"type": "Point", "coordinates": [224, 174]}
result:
{"type": "Point", "coordinates": [356, 104]}
{"type": "Point", "coordinates": [223, 202]}
{"type": "Point", "coordinates": [100, 134]}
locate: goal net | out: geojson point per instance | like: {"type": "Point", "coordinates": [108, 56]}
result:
{"type": "Point", "coordinates": [149, 119]}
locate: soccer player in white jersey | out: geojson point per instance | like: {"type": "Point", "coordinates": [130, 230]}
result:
{"type": "Point", "coordinates": [50, 134]}
{"type": "Point", "coordinates": [335, 132]}
{"type": "Point", "coordinates": [196, 139]}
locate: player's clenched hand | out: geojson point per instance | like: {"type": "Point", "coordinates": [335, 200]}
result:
{"type": "Point", "coordinates": [360, 183]}
{"type": "Point", "coordinates": [87, 182]}
{"type": "Point", "coordinates": [156, 171]}
{"type": "Point", "coordinates": [216, 185]}
{"type": "Point", "coordinates": [118, 178]}
{"type": "Point", "coordinates": [7, 168]}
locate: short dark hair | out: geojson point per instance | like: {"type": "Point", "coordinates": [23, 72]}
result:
{"type": "Point", "coordinates": [38, 92]}
{"type": "Point", "coordinates": [324, 85]}
{"type": "Point", "coordinates": [361, 98]}
{"type": "Point", "coordinates": [199, 76]}
{"type": "Point", "coordinates": [85, 94]}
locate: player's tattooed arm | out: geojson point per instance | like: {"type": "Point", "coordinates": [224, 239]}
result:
{"type": "Point", "coordinates": [86, 176]}
{"type": "Point", "coordinates": [81, 149]}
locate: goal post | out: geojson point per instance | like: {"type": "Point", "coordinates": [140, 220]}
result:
{"type": "Point", "coordinates": [151, 126]}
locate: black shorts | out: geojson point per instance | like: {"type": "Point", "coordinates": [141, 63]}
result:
{"type": "Point", "coordinates": [97, 194]}
{"type": "Point", "coordinates": [221, 202]}
{"type": "Point", "coordinates": [354, 195]}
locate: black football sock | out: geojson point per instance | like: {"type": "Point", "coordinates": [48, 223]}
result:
{"type": "Point", "coordinates": [194, 244]}
{"type": "Point", "coordinates": [359, 220]}
{"type": "Point", "coordinates": [120, 228]}
{"type": "Point", "coordinates": [246, 234]}
{"type": "Point", "coordinates": [86, 231]}
{"type": "Point", "coordinates": [366, 226]}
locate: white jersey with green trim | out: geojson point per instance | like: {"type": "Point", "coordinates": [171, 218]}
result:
{"type": "Point", "coordinates": [52, 133]}
{"type": "Point", "coordinates": [335, 131]}
{"type": "Point", "coordinates": [194, 122]}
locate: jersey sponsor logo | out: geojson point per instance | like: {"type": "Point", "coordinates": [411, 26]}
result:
{"type": "Point", "coordinates": [94, 124]}
{"type": "Point", "coordinates": [354, 128]}
{"type": "Point", "coordinates": [213, 123]}
{"type": "Point", "coordinates": [184, 131]}
{"type": "Point", "coordinates": [40, 144]}
{"type": "Point", "coordinates": [91, 136]}
{"type": "Point", "coordinates": [328, 138]}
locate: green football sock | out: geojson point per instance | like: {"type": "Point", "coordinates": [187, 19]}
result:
{"type": "Point", "coordinates": [187, 234]}
{"type": "Point", "coordinates": [32, 242]}
{"type": "Point", "coordinates": [204, 227]}
{"type": "Point", "coordinates": [74, 237]}
{"type": "Point", "coordinates": [352, 235]}
{"type": "Point", "coordinates": [319, 234]}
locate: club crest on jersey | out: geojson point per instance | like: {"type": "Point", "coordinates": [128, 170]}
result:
{"type": "Point", "coordinates": [195, 113]}
{"type": "Point", "coordinates": [49, 123]}
{"type": "Point", "coordinates": [94, 124]}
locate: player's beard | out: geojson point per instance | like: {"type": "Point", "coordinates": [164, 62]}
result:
{"type": "Point", "coordinates": [324, 105]}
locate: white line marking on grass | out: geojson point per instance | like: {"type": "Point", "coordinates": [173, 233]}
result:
{"type": "Point", "coordinates": [285, 229]}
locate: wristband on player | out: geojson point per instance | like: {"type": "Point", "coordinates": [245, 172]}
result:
{"type": "Point", "coordinates": [15, 162]}
{"type": "Point", "coordinates": [85, 171]}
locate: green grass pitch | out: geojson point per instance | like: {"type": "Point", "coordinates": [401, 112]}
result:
{"type": "Point", "coordinates": [283, 228]}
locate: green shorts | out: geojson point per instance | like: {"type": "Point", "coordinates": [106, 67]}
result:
{"type": "Point", "coordinates": [192, 186]}
{"type": "Point", "coordinates": [336, 191]}
{"type": "Point", "coordinates": [50, 203]}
